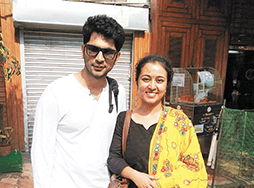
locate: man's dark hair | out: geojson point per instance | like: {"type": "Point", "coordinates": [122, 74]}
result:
{"type": "Point", "coordinates": [106, 26]}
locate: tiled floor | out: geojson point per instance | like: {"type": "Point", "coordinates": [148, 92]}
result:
{"type": "Point", "coordinates": [24, 179]}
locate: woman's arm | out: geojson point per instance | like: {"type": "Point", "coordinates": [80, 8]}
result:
{"type": "Point", "coordinates": [116, 163]}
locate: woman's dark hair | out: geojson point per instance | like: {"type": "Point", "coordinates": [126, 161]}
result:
{"type": "Point", "coordinates": [106, 26]}
{"type": "Point", "coordinates": [152, 59]}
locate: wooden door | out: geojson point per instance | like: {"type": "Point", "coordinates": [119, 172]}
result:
{"type": "Point", "coordinates": [175, 43]}
{"type": "Point", "coordinates": [210, 48]}
{"type": "Point", "coordinates": [191, 32]}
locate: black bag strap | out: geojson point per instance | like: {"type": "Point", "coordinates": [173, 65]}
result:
{"type": "Point", "coordinates": [113, 86]}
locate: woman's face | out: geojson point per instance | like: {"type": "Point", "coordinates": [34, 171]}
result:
{"type": "Point", "coordinates": [152, 83]}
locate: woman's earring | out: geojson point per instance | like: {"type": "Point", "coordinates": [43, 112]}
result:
{"type": "Point", "coordinates": [136, 100]}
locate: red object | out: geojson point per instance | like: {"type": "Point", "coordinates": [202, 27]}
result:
{"type": "Point", "coordinates": [5, 150]}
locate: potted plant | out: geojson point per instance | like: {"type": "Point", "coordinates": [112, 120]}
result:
{"type": "Point", "coordinates": [10, 64]}
{"type": "Point", "coordinates": [11, 67]}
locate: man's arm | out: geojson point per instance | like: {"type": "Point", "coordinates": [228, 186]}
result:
{"type": "Point", "coordinates": [44, 139]}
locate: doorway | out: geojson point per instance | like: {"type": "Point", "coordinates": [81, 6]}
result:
{"type": "Point", "coordinates": [239, 85]}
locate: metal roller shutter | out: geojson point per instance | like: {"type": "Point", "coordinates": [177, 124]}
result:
{"type": "Point", "coordinates": [51, 55]}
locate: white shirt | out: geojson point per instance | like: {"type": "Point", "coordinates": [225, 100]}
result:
{"type": "Point", "coordinates": [72, 136]}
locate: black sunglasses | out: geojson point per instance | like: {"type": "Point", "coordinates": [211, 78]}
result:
{"type": "Point", "coordinates": [93, 51]}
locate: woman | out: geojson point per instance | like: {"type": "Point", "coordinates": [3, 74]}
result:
{"type": "Point", "coordinates": [162, 148]}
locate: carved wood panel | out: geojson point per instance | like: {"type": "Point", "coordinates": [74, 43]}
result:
{"type": "Point", "coordinates": [175, 43]}
{"type": "Point", "coordinates": [180, 8]}
{"type": "Point", "coordinates": [213, 10]}
{"type": "Point", "coordinates": [210, 47]}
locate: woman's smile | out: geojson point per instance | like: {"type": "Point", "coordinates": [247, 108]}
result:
{"type": "Point", "coordinates": [151, 94]}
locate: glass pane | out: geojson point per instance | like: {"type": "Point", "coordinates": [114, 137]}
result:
{"type": "Point", "coordinates": [210, 53]}
{"type": "Point", "coordinates": [175, 50]}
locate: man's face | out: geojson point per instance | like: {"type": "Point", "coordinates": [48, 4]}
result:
{"type": "Point", "coordinates": [98, 66]}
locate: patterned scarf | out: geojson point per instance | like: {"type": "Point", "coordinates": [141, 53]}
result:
{"type": "Point", "coordinates": [175, 154]}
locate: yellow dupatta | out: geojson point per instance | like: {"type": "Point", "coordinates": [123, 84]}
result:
{"type": "Point", "coordinates": [175, 154]}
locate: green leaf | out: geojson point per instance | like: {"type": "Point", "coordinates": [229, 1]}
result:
{"type": "Point", "coordinates": [13, 57]}
{"type": "Point", "coordinates": [8, 128]}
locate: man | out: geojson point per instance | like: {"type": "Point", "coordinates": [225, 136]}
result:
{"type": "Point", "coordinates": [73, 126]}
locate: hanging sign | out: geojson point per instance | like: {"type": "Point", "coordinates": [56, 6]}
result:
{"type": "Point", "coordinates": [178, 79]}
